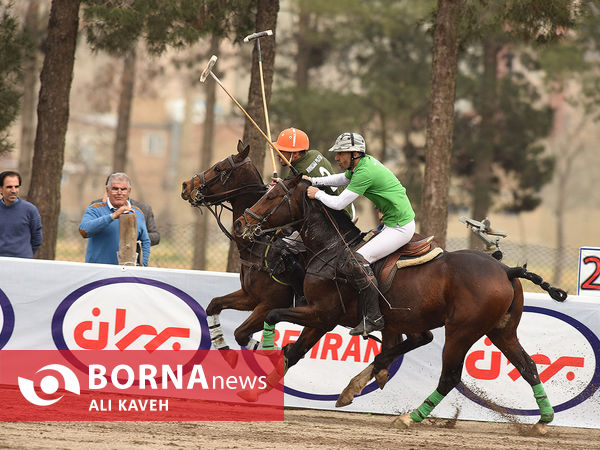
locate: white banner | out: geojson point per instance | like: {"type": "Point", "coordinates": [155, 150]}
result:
{"type": "Point", "coordinates": [73, 306]}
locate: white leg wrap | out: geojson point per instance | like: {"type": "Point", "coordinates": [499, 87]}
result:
{"type": "Point", "coordinates": [253, 344]}
{"type": "Point", "coordinates": [216, 333]}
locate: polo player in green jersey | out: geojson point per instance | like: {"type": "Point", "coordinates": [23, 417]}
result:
{"type": "Point", "coordinates": [364, 175]}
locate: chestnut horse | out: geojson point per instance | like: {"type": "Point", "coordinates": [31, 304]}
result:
{"type": "Point", "coordinates": [236, 180]}
{"type": "Point", "coordinates": [468, 292]}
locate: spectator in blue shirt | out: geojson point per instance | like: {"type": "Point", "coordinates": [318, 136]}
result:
{"type": "Point", "coordinates": [20, 221]}
{"type": "Point", "coordinates": [100, 226]}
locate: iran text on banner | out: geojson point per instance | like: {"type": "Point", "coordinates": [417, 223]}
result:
{"type": "Point", "coordinates": [137, 385]}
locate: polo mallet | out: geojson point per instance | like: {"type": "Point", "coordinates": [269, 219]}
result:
{"type": "Point", "coordinates": [208, 70]}
{"type": "Point", "coordinates": [257, 36]}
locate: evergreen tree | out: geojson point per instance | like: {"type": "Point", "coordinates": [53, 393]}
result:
{"type": "Point", "coordinates": [499, 139]}
{"type": "Point", "coordinates": [14, 48]}
{"type": "Point", "coordinates": [572, 80]}
{"type": "Point", "coordinates": [116, 27]}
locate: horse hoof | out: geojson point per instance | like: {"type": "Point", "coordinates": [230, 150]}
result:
{"type": "Point", "coordinates": [403, 422]}
{"type": "Point", "coordinates": [382, 378]}
{"type": "Point", "coordinates": [249, 396]}
{"type": "Point", "coordinates": [344, 399]}
{"type": "Point", "coordinates": [540, 429]}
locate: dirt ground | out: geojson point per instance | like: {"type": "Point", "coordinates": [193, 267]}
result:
{"type": "Point", "coordinates": [302, 429]}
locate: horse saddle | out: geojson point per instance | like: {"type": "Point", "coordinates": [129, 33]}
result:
{"type": "Point", "coordinates": [413, 253]}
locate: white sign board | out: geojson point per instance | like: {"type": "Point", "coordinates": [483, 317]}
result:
{"type": "Point", "coordinates": [47, 305]}
{"type": "Point", "coordinates": [588, 279]}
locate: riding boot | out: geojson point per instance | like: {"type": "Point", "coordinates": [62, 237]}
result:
{"type": "Point", "coordinates": [295, 276]}
{"type": "Point", "coordinates": [368, 301]}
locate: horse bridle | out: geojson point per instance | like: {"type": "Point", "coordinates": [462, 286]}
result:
{"type": "Point", "coordinates": [256, 229]}
{"type": "Point", "coordinates": [199, 198]}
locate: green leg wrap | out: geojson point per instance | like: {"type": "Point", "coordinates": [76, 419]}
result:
{"type": "Point", "coordinates": [268, 339]}
{"type": "Point", "coordinates": [546, 411]}
{"type": "Point", "coordinates": [426, 407]}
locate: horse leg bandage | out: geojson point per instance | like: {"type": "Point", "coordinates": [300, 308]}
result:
{"type": "Point", "coordinates": [216, 333]}
{"type": "Point", "coordinates": [268, 340]}
{"type": "Point", "coordinates": [426, 407]}
{"type": "Point", "coordinates": [253, 344]}
{"type": "Point", "coordinates": [546, 411]}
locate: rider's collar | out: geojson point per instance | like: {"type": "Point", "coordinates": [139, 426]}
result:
{"type": "Point", "coordinates": [112, 208]}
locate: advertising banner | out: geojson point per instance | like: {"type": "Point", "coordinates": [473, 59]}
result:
{"type": "Point", "coordinates": [74, 307]}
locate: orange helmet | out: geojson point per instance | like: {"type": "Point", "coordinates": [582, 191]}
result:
{"type": "Point", "coordinates": [292, 140]}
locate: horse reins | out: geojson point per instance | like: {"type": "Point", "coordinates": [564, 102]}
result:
{"type": "Point", "coordinates": [198, 198]}
{"type": "Point", "coordinates": [256, 229]}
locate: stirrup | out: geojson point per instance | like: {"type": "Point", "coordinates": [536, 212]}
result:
{"type": "Point", "coordinates": [367, 326]}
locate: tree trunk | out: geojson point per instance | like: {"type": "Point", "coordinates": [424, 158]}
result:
{"type": "Point", "coordinates": [303, 49]}
{"type": "Point", "coordinates": [440, 121]}
{"type": "Point", "coordinates": [201, 237]}
{"type": "Point", "coordinates": [53, 117]}
{"type": "Point", "coordinates": [30, 75]}
{"type": "Point", "coordinates": [482, 176]}
{"type": "Point", "coordinates": [266, 19]}
{"type": "Point", "coordinates": [124, 112]}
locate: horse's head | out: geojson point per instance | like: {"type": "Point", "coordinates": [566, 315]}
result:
{"type": "Point", "coordinates": [282, 205]}
{"type": "Point", "coordinates": [227, 178]}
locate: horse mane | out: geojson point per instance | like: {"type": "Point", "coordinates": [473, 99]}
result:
{"type": "Point", "coordinates": [257, 172]}
{"type": "Point", "coordinates": [342, 221]}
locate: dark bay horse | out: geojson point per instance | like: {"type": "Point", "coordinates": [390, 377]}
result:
{"type": "Point", "coordinates": [468, 292]}
{"type": "Point", "coordinates": [236, 180]}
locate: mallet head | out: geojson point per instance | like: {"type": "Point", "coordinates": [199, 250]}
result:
{"type": "Point", "coordinates": [209, 66]}
{"type": "Point", "coordinates": [260, 34]}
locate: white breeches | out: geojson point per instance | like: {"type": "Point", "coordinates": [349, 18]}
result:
{"type": "Point", "coordinates": [386, 242]}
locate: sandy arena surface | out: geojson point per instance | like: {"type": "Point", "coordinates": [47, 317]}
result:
{"type": "Point", "coordinates": [302, 429]}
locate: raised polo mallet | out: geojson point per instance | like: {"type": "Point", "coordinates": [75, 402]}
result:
{"type": "Point", "coordinates": [252, 37]}
{"type": "Point", "coordinates": [206, 72]}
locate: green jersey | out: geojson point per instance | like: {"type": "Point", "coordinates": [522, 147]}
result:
{"type": "Point", "coordinates": [314, 164]}
{"type": "Point", "coordinates": [376, 182]}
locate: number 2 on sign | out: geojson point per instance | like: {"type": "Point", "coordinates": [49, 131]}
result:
{"type": "Point", "coordinates": [589, 281]}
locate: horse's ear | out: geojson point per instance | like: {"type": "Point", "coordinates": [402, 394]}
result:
{"type": "Point", "coordinates": [243, 151]}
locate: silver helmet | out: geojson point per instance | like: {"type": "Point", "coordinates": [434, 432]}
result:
{"type": "Point", "coordinates": [349, 142]}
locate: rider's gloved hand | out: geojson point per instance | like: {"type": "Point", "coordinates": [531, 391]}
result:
{"type": "Point", "coordinates": [274, 181]}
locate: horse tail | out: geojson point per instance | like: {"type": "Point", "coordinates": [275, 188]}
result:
{"type": "Point", "coordinates": [521, 272]}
